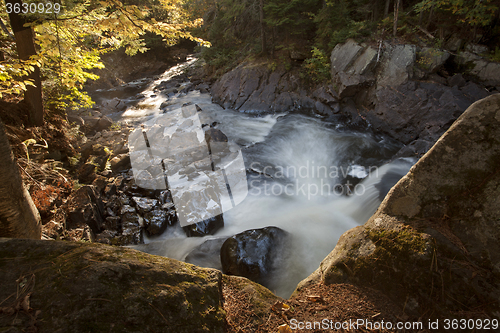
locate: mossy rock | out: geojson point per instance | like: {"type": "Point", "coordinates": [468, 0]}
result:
{"type": "Point", "coordinates": [86, 287]}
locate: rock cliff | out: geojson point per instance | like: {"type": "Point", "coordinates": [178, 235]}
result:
{"type": "Point", "coordinates": [411, 93]}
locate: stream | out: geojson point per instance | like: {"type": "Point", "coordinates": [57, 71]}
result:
{"type": "Point", "coordinates": [312, 178]}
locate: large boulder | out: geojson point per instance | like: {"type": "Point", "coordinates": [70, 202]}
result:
{"type": "Point", "coordinates": [258, 88]}
{"type": "Point", "coordinates": [487, 72]}
{"type": "Point", "coordinates": [397, 65]}
{"type": "Point", "coordinates": [253, 253]}
{"type": "Point", "coordinates": [352, 67]}
{"type": "Point", "coordinates": [432, 245]}
{"type": "Point", "coordinates": [84, 287]}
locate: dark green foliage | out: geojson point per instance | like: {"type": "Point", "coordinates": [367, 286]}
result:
{"type": "Point", "coordinates": [294, 16]}
{"type": "Point", "coordinates": [318, 66]}
{"type": "Point", "coordinates": [234, 26]}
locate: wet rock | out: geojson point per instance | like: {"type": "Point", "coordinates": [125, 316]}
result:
{"type": "Point", "coordinates": [418, 110]}
{"type": "Point", "coordinates": [85, 208]}
{"type": "Point", "coordinates": [131, 230]}
{"type": "Point", "coordinates": [144, 205]}
{"type": "Point", "coordinates": [156, 221]}
{"type": "Point", "coordinates": [207, 254]}
{"type": "Point", "coordinates": [204, 228]}
{"type": "Point", "coordinates": [165, 196]}
{"type": "Point", "coordinates": [127, 209]}
{"type": "Point", "coordinates": [253, 253]}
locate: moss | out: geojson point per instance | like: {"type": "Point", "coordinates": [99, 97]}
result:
{"type": "Point", "coordinates": [93, 287]}
{"type": "Point", "coordinates": [406, 241]}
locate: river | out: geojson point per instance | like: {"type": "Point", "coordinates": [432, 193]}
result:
{"type": "Point", "coordinates": [311, 178]}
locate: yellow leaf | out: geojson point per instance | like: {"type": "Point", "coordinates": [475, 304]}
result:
{"type": "Point", "coordinates": [284, 329]}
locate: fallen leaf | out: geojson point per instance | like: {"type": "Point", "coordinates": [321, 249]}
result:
{"type": "Point", "coordinates": [284, 329]}
{"type": "Point", "coordinates": [314, 298]}
{"type": "Point", "coordinates": [280, 307]}
{"type": "Point", "coordinates": [26, 303]}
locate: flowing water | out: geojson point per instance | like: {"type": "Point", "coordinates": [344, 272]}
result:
{"type": "Point", "coordinates": [308, 177]}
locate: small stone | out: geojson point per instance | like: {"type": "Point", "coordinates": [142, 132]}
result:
{"type": "Point", "coordinates": [144, 205]}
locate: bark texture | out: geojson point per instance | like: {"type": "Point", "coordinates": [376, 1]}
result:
{"type": "Point", "coordinates": [19, 217]}
{"type": "Point", "coordinates": [25, 49]}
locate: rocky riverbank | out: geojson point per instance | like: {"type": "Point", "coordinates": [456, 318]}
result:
{"type": "Point", "coordinates": [412, 93]}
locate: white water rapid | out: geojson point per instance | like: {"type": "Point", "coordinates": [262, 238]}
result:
{"type": "Point", "coordinates": [310, 178]}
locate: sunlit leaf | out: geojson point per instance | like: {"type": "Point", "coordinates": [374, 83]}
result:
{"type": "Point", "coordinates": [284, 329]}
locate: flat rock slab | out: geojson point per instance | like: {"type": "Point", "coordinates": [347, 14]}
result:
{"type": "Point", "coordinates": [55, 286]}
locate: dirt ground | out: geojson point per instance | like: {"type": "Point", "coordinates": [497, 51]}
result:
{"type": "Point", "coordinates": [320, 308]}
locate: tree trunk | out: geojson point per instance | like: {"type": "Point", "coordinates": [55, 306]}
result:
{"type": "Point", "coordinates": [19, 217]}
{"type": "Point", "coordinates": [26, 48]}
{"type": "Point", "coordinates": [430, 17]}
{"type": "Point", "coordinates": [396, 15]}
{"type": "Point", "coordinates": [262, 27]}
{"type": "Point", "coordinates": [386, 9]}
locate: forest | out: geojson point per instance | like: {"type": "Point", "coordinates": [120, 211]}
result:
{"type": "Point", "coordinates": [56, 52]}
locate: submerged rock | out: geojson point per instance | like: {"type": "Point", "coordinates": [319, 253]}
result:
{"type": "Point", "coordinates": [207, 254]}
{"type": "Point", "coordinates": [253, 253]}
{"type": "Point", "coordinates": [432, 246]}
